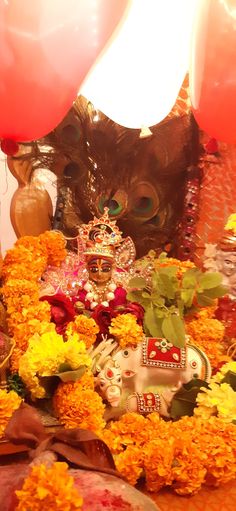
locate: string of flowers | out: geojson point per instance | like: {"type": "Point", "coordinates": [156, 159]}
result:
{"type": "Point", "coordinates": [48, 488]}
{"type": "Point", "coordinates": [22, 268]}
{"type": "Point", "coordinates": [184, 454]}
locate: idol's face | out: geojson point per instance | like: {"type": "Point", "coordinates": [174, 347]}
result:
{"type": "Point", "coordinates": [100, 270]}
{"type": "Point", "coordinates": [228, 263]}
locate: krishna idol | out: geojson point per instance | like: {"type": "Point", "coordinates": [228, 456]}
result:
{"type": "Point", "coordinates": [99, 272]}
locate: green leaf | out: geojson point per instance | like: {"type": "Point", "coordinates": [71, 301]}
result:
{"type": "Point", "coordinates": [189, 282]}
{"type": "Point", "coordinates": [157, 300]}
{"type": "Point", "coordinates": [152, 324]}
{"type": "Point", "coordinates": [174, 331]}
{"type": "Point", "coordinates": [215, 292]}
{"type": "Point", "coordinates": [155, 281]}
{"type": "Point", "coordinates": [160, 312]}
{"type": "Point", "coordinates": [146, 295]}
{"type": "Point", "coordinates": [230, 378]}
{"type": "Point", "coordinates": [184, 401]}
{"type": "Point", "coordinates": [210, 280]}
{"type": "Point", "coordinates": [137, 282]}
{"type": "Point", "coordinates": [72, 375]}
{"type": "Point", "coordinates": [190, 278]}
{"type": "Point", "coordinates": [167, 287]}
{"type": "Point", "coordinates": [162, 257]}
{"type": "Point", "coordinates": [187, 296]}
{"type": "Point", "coordinates": [203, 300]}
{"type": "Point", "coordinates": [170, 271]}
{"type": "Point", "coordinates": [134, 296]}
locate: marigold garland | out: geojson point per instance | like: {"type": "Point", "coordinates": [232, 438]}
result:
{"type": "Point", "coordinates": [46, 355]}
{"type": "Point", "coordinates": [207, 334]}
{"type": "Point", "coordinates": [126, 330]}
{"type": "Point", "coordinates": [77, 405]}
{"type": "Point", "coordinates": [22, 268]}
{"type": "Point", "coordinates": [85, 327]}
{"type": "Point", "coordinates": [185, 454]}
{"type": "Point", "coordinates": [50, 488]}
{"type": "Point", "coordinates": [9, 402]}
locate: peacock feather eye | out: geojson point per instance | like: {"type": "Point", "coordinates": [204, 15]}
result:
{"type": "Point", "coordinates": [117, 204]}
{"type": "Point", "coordinates": [144, 201]}
{"type": "Point", "coordinates": [143, 205]}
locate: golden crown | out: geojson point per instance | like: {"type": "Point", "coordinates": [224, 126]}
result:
{"type": "Point", "coordinates": [101, 236]}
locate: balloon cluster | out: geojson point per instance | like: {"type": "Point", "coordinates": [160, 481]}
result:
{"type": "Point", "coordinates": [46, 49]}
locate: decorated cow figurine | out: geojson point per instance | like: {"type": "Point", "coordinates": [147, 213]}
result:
{"type": "Point", "coordinates": [136, 372]}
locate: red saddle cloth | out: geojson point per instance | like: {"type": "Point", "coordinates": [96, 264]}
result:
{"type": "Point", "coordinates": [158, 352]}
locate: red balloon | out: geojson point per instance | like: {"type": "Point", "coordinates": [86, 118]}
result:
{"type": "Point", "coordinates": [9, 147]}
{"type": "Point", "coordinates": [213, 69]}
{"type": "Point", "coordinates": [46, 49]}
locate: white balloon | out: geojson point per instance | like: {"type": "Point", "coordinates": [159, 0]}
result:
{"type": "Point", "coordinates": [137, 80]}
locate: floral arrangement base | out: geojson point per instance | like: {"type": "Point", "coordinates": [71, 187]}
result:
{"type": "Point", "coordinates": [108, 492]}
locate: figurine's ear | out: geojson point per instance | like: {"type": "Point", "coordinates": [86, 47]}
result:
{"type": "Point", "coordinates": [125, 254]}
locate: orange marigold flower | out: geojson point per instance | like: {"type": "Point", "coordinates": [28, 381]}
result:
{"type": "Point", "coordinates": [126, 330]}
{"type": "Point", "coordinates": [9, 402]}
{"type": "Point", "coordinates": [130, 463]}
{"type": "Point", "coordinates": [15, 358]}
{"type": "Point", "coordinates": [185, 454]}
{"type": "Point", "coordinates": [130, 429]}
{"type": "Point", "coordinates": [79, 408]}
{"type": "Point", "coordinates": [182, 266]}
{"type": "Point", "coordinates": [208, 335]}
{"type": "Point", "coordinates": [158, 462]}
{"type": "Point", "coordinates": [55, 245]}
{"type": "Point", "coordinates": [50, 488]}
{"type": "Point", "coordinates": [86, 328]}
{"type": "Point", "coordinates": [19, 287]}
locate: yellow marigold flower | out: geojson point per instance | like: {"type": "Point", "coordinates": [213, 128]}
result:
{"type": "Point", "coordinates": [48, 355]}
{"type": "Point", "coordinates": [79, 408]}
{"type": "Point", "coordinates": [9, 402]}
{"type": "Point", "coordinates": [231, 223]}
{"type": "Point", "coordinates": [75, 353]}
{"type": "Point", "coordinates": [208, 335]}
{"type": "Point", "coordinates": [229, 366]}
{"type": "Point", "coordinates": [126, 330]}
{"type": "Point", "coordinates": [86, 328]}
{"type": "Point", "coordinates": [50, 488]}
{"type": "Point", "coordinates": [218, 399]}
{"type": "Point", "coordinates": [55, 245]}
